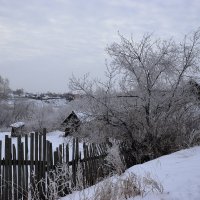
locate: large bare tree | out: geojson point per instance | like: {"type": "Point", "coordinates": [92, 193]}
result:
{"type": "Point", "coordinates": [147, 97]}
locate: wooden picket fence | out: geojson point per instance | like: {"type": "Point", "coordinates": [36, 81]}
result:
{"type": "Point", "coordinates": [28, 169]}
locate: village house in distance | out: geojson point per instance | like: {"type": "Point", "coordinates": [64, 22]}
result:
{"type": "Point", "coordinates": [17, 129]}
{"type": "Point", "coordinates": [71, 124]}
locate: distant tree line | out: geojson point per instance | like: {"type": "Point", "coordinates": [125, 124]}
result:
{"type": "Point", "coordinates": [41, 96]}
{"type": "Point", "coordinates": [16, 105]}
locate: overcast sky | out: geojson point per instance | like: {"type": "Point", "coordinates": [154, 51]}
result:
{"type": "Point", "coordinates": [42, 42]}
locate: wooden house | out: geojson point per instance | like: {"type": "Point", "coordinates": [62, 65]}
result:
{"type": "Point", "coordinates": [17, 129]}
{"type": "Point", "coordinates": [71, 123]}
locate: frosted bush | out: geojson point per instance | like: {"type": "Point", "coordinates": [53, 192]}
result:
{"type": "Point", "coordinates": [115, 159]}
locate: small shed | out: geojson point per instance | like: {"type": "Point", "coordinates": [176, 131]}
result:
{"type": "Point", "coordinates": [71, 123]}
{"type": "Point", "coordinates": [17, 129]}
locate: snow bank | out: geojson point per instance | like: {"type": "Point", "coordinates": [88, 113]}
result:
{"type": "Point", "coordinates": [179, 174]}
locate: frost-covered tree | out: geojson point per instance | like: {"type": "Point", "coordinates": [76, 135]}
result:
{"type": "Point", "coordinates": [146, 99]}
{"type": "Point", "coordinates": [5, 109]}
{"type": "Point", "coordinates": [19, 92]}
{"type": "Point", "coordinates": [4, 88]}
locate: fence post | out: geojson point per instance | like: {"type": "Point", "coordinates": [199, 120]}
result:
{"type": "Point", "coordinates": [44, 143]}
{"type": "Point", "coordinates": [23, 171]}
{"type": "Point", "coordinates": [32, 166]}
{"type": "Point", "coordinates": [36, 158]}
{"type": "Point", "coordinates": [26, 167]}
{"type": "Point", "coordinates": [0, 172]}
{"type": "Point", "coordinates": [10, 178]}
{"type": "Point", "coordinates": [19, 167]}
{"type": "Point", "coordinates": [15, 189]}
{"type": "Point", "coordinates": [74, 164]}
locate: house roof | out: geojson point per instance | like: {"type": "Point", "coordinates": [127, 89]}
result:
{"type": "Point", "coordinates": [17, 124]}
{"type": "Point", "coordinates": [71, 116]}
{"type": "Point", "coordinates": [79, 116]}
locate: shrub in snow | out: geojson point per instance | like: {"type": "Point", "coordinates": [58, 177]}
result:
{"type": "Point", "coordinates": [5, 115]}
{"type": "Point", "coordinates": [193, 138]}
{"type": "Point", "coordinates": [60, 183]}
{"type": "Point", "coordinates": [79, 178]}
{"type": "Point", "coordinates": [122, 188]}
{"type": "Point", "coordinates": [150, 185]}
{"type": "Point", "coordinates": [115, 159]}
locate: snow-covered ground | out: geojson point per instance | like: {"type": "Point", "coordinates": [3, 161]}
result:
{"type": "Point", "coordinates": [53, 102]}
{"type": "Point", "coordinates": [179, 174]}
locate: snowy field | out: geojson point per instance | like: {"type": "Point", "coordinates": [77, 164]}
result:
{"type": "Point", "coordinates": [179, 174]}
{"type": "Point", "coordinates": [39, 103]}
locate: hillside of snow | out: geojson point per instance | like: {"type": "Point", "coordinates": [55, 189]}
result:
{"type": "Point", "coordinates": [178, 173]}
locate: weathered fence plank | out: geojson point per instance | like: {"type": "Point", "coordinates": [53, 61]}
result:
{"type": "Point", "coordinates": [0, 171]}
{"type": "Point", "coordinates": [19, 153]}
{"type": "Point", "coordinates": [15, 190]}
{"type": "Point", "coordinates": [6, 182]}
{"type": "Point", "coordinates": [31, 163]}
{"type": "Point", "coordinates": [26, 166]}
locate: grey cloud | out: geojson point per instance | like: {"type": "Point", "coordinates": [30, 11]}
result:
{"type": "Point", "coordinates": [61, 37]}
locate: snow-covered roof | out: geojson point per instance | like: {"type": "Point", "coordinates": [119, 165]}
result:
{"type": "Point", "coordinates": [83, 117]}
{"type": "Point", "coordinates": [77, 116]}
{"type": "Point", "coordinates": [17, 124]}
